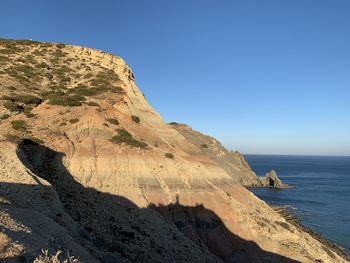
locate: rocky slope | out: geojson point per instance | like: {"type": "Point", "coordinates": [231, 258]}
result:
{"type": "Point", "coordinates": [90, 168]}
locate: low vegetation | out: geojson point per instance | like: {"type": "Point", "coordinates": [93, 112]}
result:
{"type": "Point", "coordinates": [173, 123]}
{"type": "Point", "coordinates": [75, 96]}
{"type": "Point", "coordinates": [135, 118]}
{"type": "Point", "coordinates": [19, 125]}
{"type": "Point", "coordinates": [14, 103]}
{"type": "Point", "coordinates": [85, 91]}
{"type": "Point", "coordinates": [113, 121]}
{"type": "Point", "coordinates": [75, 120]}
{"type": "Point", "coordinates": [92, 104]}
{"type": "Point", "coordinates": [46, 257]}
{"type": "Point", "coordinates": [124, 137]}
{"type": "Point", "coordinates": [12, 106]}
{"type": "Point", "coordinates": [204, 146]}
{"type": "Point", "coordinates": [51, 66]}
{"type": "Point", "coordinates": [25, 99]}
{"type": "Point", "coordinates": [29, 114]}
{"type": "Point", "coordinates": [4, 116]}
{"type": "Point", "coordinates": [169, 155]}
{"type": "Point", "coordinates": [63, 99]}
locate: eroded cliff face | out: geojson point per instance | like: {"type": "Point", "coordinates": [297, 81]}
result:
{"type": "Point", "coordinates": [111, 181]}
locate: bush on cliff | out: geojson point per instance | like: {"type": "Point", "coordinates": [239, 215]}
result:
{"type": "Point", "coordinates": [12, 106]}
{"type": "Point", "coordinates": [113, 121]}
{"type": "Point", "coordinates": [124, 137]}
{"type": "Point", "coordinates": [19, 124]}
{"type": "Point", "coordinates": [169, 155]}
{"type": "Point", "coordinates": [135, 118]}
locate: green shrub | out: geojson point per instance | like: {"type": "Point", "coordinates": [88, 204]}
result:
{"type": "Point", "coordinates": [5, 116]}
{"type": "Point", "coordinates": [25, 99]}
{"type": "Point", "coordinates": [40, 52]}
{"type": "Point", "coordinates": [60, 45]}
{"type": "Point", "coordinates": [74, 120]}
{"type": "Point", "coordinates": [29, 114]}
{"type": "Point", "coordinates": [173, 123]}
{"type": "Point", "coordinates": [124, 137]}
{"type": "Point", "coordinates": [135, 119]}
{"type": "Point", "coordinates": [42, 65]}
{"type": "Point", "coordinates": [92, 104]}
{"type": "Point", "coordinates": [84, 91]}
{"type": "Point", "coordinates": [91, 91]}
{"type": "Point", "coordinates": [10, 49]}
{"type": "Point", "coordinates": [58, 54]}
{"type": "Point", "coordinates": [19, 124]}
{"type": "Point", "coordinates": [57, 88]}
{"type": "Point", "coordinates": [11, 98]}
{"type": "Point", "coordinates": [103, 80]}
{"type": "Point", "coordinates": [60, 98]}
{"type": "Point", "coordinates": [26, 70]}
{"type": "Point", "coordinates": [113, 121]}
{"type": "Point", "coordinates": [28, 99]}
{"type": "Point", "coordinates": [50, 94]}
{"type": "Point", "coordinates": [12, 106]}
{"type": "Point", "coordinates": [118, 90]}
{"type": "Point", "coordinates": [106, 75]}
{"type": "Point", "coordinates": [169, 155]}
{"type": "Point", "coordinates": [204, 145]}
{"type": "Point", "coordinates": [22, 42]}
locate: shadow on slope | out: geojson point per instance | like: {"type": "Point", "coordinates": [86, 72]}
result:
{"type": "Point", "coordinates": [121, 230]}
{"type": "Point", "coordinates": [207, 230]}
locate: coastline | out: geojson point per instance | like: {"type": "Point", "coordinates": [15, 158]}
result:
{"type": "Point", "coordinates": [284, 186]}
{"type": "Point", "coordinates": [291, 218]}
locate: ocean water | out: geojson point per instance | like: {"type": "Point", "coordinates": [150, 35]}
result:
{"type": "Point", "coordinates": [320, 196]}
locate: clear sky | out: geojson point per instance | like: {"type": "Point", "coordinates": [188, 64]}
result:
{"type": "Point", "coordinates": [261, 76]}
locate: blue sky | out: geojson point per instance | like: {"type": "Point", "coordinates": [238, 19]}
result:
{"type": "Point", "coordinates": [261, 76]}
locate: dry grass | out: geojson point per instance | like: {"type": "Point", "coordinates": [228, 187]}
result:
{"type": "Point", "coordinates": [45, 257]}
{"type": "Point", "coordinates": [8, 248]}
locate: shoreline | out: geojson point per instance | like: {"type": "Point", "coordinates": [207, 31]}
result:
{"type": "Point", "coordinates": [283, 186]}
{"type": "Point", "coordinates": [291, 218]}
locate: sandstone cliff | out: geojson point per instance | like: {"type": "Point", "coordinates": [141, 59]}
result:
{"type": "Point", "coordinates": [90, 168]}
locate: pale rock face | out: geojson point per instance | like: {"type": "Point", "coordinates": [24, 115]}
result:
{"type": "Point", "coordinates": [118, 200]}
{"type": "Point", "coordinates": [272, 180]}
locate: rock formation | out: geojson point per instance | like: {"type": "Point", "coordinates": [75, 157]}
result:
{"type": "Point", "coordinates": [271, 180]}
{"type": "Point", "coordinates": [88, 167]}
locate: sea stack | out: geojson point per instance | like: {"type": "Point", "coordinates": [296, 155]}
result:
{"type": "Point", "coordinates": [271, 180]}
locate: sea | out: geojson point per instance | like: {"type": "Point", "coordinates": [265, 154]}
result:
{"type": "Point", "coordinates": [320, 196]}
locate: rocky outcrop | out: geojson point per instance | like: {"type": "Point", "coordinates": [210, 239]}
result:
{"type": "Point", "coordinates": [81, 149]}
{"type": "Point", "coordinates": [271, 180]}
{"type": "Point", "coordinates": [233, 163]}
